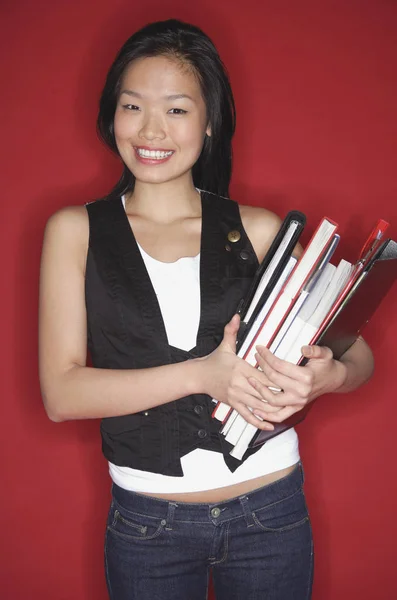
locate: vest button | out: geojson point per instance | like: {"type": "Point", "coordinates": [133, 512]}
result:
{"type": "Point", "coordinates": [244, 255]}
{"type": "Point", "coordinates": [215, 512]}
{"type": "Point", "coordinates": [233, 236]}
{"type": "Point", "coordinates": [202, 433]}
{"type": "Point", "coordinates": [198, 409]}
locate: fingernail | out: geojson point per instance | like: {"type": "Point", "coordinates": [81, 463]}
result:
{"type": "Point", "coordinates": [307, 350]}
{"type": "Point", "coordinates": [268, 427]}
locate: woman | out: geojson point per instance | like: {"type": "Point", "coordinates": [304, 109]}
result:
{"type": "Point", "coordinates": [151, 276]}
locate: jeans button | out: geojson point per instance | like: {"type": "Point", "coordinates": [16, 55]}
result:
{"type": "Point", "coordinates": [202, 433]}
{"type": "Point", "coordinates": [198, 409]}
{"type": "Point", "coordinates": [215, 512]}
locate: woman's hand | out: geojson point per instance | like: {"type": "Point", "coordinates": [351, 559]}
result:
{"type": "Point", "coordinates": [300, 385]}
{"type": "Point", "coordinates": [226, 377]}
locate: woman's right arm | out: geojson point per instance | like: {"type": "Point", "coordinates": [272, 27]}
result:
{"type": "Point", "coordinates": [71, 390]}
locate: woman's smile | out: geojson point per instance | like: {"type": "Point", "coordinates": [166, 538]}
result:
{"type": "Point", "coordinates": [152, 156]}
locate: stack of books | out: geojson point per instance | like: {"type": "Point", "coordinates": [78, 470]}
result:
{"type": "Point", "coordinates": [296, 302]}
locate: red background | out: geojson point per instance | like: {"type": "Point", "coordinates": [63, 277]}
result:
{"type": "Point", "coordinates": [315, 87]}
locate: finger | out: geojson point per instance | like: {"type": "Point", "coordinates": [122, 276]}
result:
{"type": "Point", "coordinates": [270, 406]}
{"type": "Point", "coordinates": [230, 333]}
{"type": "Point", "coordinates": [277, 365]}
{"type": "Point", "coordinates": [314, 351]}
{"type": "Point", "coordinates": [257, 373]}
{"type": "Point", "coordinates": [297, 385]}
{"type": "Point", "coordinates": [243, 391]}
{"type": "Point", "coordinates": [244, 386]}
{"type": "Point", "coordinates": [288, 397]}
{"type": "Point", "coordinates": [241, 396]}
{"type": "Point", "coordinates": [250, 417]}
{"type": "Point", "coordinates": [282, 415]}
{"type": "Point", "coordinates": [260, 375]}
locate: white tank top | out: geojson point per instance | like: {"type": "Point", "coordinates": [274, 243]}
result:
{"type": "Point", "coordinates": [177, 286]}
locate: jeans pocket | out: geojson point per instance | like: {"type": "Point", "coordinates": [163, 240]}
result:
{"type": "Point", "coordinates": [133, 526]}
{"type": "Point", "coordinates": [283, 515]}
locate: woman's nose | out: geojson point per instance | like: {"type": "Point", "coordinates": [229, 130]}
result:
{"type": "Point", "coordinates": [152, 128]}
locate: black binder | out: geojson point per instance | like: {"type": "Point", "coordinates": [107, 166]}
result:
{"type": "Point", "coordinates": [293, 217]}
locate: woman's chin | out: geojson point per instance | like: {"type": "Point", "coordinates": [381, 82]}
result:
{"type": "Point", "coordinates": [146, 177]}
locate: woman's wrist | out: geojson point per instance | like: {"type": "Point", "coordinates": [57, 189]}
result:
{"type": "Point", "coordinates": [358, 364]}
{"type": "Point", "coordinates": [196, 376]}
{"type": "Point", "coordinates": [341, 376]}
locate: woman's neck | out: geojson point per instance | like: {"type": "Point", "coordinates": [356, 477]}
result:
{"type": "Point", "coordinates": [164, 202]}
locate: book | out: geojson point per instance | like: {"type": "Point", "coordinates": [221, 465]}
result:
{"type": "Point", "coordinates": [293, 287]}
{"type": "Point", "coordinates": [252, 331]}
{"type": "Point", "coordinates": [282, 345]}
{"type": "Point", "coordinates": [272, 266]}
{"type": "Point", "coordinates": [312, 324]}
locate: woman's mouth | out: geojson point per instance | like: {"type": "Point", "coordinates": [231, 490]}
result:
{"type": "Point", "coordinates": [152, 156]}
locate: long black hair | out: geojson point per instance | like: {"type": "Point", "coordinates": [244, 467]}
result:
{"type": "Point", "coordinates": [189, 44]}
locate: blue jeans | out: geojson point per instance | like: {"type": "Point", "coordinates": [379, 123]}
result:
{"type": "Point", "coordinates": [258, 546]}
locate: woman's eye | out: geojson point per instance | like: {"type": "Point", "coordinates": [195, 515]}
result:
{"type": "Point", "coordinates": [177, 111]}
{"type": "Point", "coordinates": [130, 107]}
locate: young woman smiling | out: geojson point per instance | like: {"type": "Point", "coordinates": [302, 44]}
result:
{"type": "Point", "coordinates": [149, 279]}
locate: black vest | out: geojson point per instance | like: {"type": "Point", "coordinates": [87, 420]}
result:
{"type": "Point", "coordinates": [126, 330]}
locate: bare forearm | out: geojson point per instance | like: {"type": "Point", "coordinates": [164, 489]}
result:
{"type": "Point", "coordinates": [358, 362]}
{"type": "Point", "coordinates": [87, 393]}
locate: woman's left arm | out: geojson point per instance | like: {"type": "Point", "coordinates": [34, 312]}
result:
{"type": "Point", "coordinates": [321, 375]}
{"type": "Point", "coordinates": [356, 366]}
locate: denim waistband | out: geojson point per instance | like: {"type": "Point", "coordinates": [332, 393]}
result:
{"type": "Point", "coordinates": [216, 513]}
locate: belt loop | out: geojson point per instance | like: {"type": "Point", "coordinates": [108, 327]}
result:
{"type": "Point", "coordinates": [246, 510]}
{"type": "Point", "coordinates": [170, 515]}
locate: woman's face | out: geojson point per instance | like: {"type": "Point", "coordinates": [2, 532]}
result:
{"type": "Point", "coordinates": [160, 121]}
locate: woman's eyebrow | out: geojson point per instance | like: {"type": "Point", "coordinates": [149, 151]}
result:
{"type": "Point", "coordinates": [131, 93]}
{"type": "Point", "coordinates": [168, 97]}
{"type": "Point", "coordinates": [178, 97]}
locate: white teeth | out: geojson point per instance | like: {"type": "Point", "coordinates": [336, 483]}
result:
{"type": "Point", "coordinates": [156, 154]}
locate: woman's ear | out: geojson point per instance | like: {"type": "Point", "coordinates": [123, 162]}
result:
{"type": "Point", "coordinates": [208, 131]}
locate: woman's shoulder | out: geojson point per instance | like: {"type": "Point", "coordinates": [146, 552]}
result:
{"type": "Point", "coordinates": [67, 230]}
{"type": "Point", "coordinates": [261, 226]}
{"type": "Point", "coordinates": [69, 219]}
{"type": "Point", "coordinates": [67, 216]}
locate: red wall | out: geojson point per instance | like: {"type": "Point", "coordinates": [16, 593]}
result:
{"type": "Point", "coordinates": [315, 86]}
